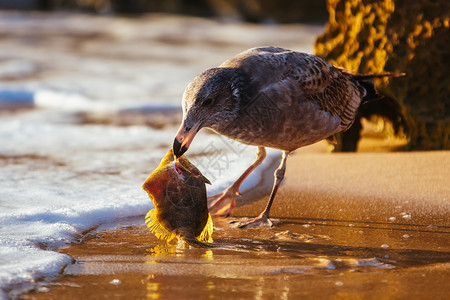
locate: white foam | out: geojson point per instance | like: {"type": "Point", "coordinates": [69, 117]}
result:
{"type": "Point", "coordinates": [60, 178]}
{"type": "Point", "coordinates": [21, 265]}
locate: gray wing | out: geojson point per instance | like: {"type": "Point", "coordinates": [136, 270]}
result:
{"type": "Point", "coordinates": [278, 72]}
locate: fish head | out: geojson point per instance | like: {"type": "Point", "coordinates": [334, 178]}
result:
{"type": "Point", "coordinates": [172, 175]}
{"type": "Point", "coordinates": [157, 180]}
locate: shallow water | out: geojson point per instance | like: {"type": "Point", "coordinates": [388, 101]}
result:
{"type": "Point", "coordinates": [288, 261]}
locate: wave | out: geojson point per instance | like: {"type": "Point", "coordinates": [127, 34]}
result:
{"type": "Point", "coordinates": [62, 178]}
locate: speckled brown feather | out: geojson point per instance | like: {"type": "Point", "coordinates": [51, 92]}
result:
{"type": "Point", "coordinates": [274, 97]}
{"type": "Point", "coordinates": [270, 97]}
{"type": "Point", "coordinates": [306, 77]}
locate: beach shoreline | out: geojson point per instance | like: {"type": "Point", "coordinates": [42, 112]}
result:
{"type": "Point", "coordinates": [90, 104]}
{"type": "Point", "coordinates": [333, 239]}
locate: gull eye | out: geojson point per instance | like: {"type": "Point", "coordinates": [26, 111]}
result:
{"type": "Point", "coordinates": [207, 102]}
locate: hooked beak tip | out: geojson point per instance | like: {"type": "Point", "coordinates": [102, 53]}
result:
{"type": "Point", "coordinates": [184, 138]}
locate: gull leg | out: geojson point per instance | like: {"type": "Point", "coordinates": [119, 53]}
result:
{"type": "Point", "coordinates": [223, 204]}
{"type": "Point", "coordinates": [263, 219]}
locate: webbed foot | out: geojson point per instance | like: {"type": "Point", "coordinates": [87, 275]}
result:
{"type": "Point", "coordinates": [258, 222]}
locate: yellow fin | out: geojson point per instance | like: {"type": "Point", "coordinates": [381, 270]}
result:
{"type": "Point", "coordinates": [206, 235]}
{"type": "Point", "coordinates": [163, 234]}
{"type": "Point", "coordinates": [157, 228]}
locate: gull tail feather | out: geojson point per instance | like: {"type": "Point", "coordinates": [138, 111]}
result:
{"type": "Point", "coordinates": [366, 81]}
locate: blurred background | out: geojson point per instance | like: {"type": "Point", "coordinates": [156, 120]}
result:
{"type": "Point", "coordinates": [249, 11]}
{"type": "Point", "coordinates": [360, 35]}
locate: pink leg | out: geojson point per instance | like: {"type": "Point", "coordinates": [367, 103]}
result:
{"type": "Point", "coordinates": [223, 204]}
{"type": "Point", "coordinates": [263, 219]}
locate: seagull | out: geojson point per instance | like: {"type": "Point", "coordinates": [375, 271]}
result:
{"type": "Point", "coordinates": [270, 97]}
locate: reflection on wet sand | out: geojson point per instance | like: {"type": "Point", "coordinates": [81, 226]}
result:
{"type": "Point", "coordinates": [338, 242]}
{"type": "Point", "coordinates": [291, 260]}
{"type": "Point", "coordinates": [328, 243]}
{"type": "Point", "coordinates": [284, 266]}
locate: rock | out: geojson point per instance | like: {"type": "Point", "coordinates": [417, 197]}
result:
{"type": "Point", "coordinates": [367, 36]}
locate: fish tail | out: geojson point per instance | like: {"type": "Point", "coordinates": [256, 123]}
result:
{"type": "Point", "coordinates": [157, 228]}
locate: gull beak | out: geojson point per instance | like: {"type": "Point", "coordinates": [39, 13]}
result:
{"type": "Point", "coordinates": [184, 138]}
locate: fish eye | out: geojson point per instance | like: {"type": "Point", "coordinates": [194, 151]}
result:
{"type": "Point", "coordinates": [207, 102]}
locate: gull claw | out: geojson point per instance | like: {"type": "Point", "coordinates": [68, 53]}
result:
{"type": "Point", "coordinates": [258, 222]}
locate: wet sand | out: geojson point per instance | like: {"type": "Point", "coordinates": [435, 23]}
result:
{"type": "Point", "coordinates": [352, 226]}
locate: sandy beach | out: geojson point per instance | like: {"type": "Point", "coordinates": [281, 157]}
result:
{"type": "Point", "coordinates": [351, 226]}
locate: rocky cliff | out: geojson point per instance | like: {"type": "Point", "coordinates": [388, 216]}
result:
{"type": "Point", "coordinates": [378, 36]}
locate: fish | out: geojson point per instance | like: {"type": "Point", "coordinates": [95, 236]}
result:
{"type": "Point", "coordinates": [178, 191]}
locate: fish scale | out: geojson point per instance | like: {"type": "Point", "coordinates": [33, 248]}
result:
{"type": "Point", "coordinates": [178, 191]}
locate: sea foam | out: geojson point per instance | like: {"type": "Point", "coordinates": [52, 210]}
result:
{"type": "Point", "coordinates": [61, 178]}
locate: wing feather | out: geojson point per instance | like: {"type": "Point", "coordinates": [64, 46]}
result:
{"type": "Point", "coordinates": [305, 77]}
